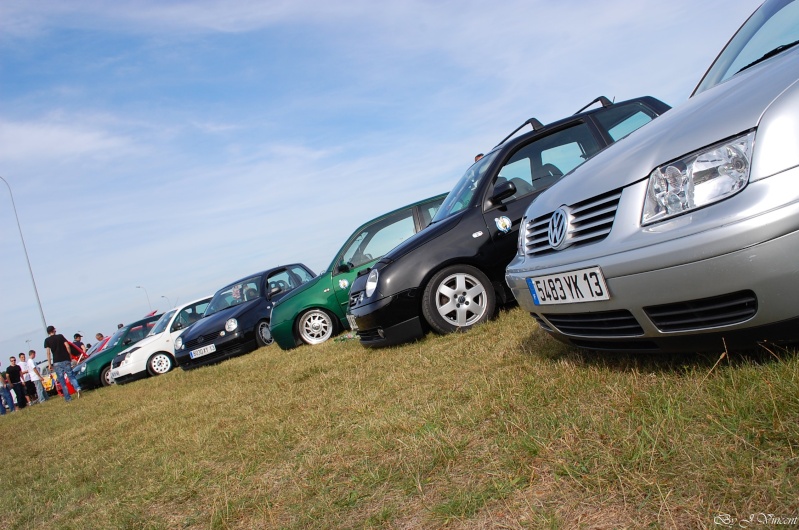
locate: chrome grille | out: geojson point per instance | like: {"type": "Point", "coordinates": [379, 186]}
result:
{"type": "Point", "coordinates": [589, 221]}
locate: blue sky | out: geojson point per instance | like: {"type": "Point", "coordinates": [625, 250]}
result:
{"type": "Point", "coordinates": [179, 146]}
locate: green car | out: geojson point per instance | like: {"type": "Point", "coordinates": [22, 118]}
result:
{"type": "Point", "coordinates": [316, 311]}
{"type": "Point", "coordinates": [96, 369]}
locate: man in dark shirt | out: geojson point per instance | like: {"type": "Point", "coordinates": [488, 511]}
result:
{"type": "Point", "coordinates": [60, 361]}
{"type": "Point", "coordinates": [6, 395]}
{"type": "Point", "coordinates": [14, 375]}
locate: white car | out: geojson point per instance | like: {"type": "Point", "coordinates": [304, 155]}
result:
{"type": "Point", "coordinates": [155, 353]}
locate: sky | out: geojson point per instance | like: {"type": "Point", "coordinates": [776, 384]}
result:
{"type": "Point", "coordinates": [159, 150]}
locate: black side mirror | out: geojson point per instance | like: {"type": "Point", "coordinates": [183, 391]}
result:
{"type": "Point", "coordinates": [502, 192]}
{"type": "Point", "coordinates": [343, 266]}
{"type": "Point", "coordinates": [177, 326]}
{"type": "Point", "coordinates": [127, 341]}
{"type": "Point", "coordinates": [275, 290]}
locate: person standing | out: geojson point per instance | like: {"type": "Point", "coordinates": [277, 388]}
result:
{"type": "Point", "coordinates": [60, 361]}
{"type": "Point", "coordinates": [30, 390]}
{"type": "Point", "coordinates": [79, 342]}
{"type": "Point", "coordinates": [36, 377]}
{"type": "Point", "coordinates": [14, 378]}
{"type": "Point", "coordinates": [6, 396]}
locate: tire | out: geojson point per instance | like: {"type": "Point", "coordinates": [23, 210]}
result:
{"type": "Point", "coordinates": [262, 334]}
{"type": "Point", "coordinates": [159, 363]}
{"type": "Point", "coordinates": [315, 326]}
{"type": "Point", "coordinates": [457, 298]}
{"type": "Point", "coordinates": [105, 376]}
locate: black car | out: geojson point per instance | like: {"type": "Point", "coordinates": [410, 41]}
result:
{"type": "Point", "coordinates": [237, 319]}
{"type": "Point", "coordinates": [449, 276]}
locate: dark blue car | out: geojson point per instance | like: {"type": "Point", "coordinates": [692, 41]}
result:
{"type": "Point", "coordinates": [237, 318]}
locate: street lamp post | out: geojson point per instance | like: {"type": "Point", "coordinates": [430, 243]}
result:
{"type": "Point", "coordinates": [25, 249]}
{"type": "Point", "coordinates": [167, 301]}
{"type": "Point", "coordinates": [147, 295]}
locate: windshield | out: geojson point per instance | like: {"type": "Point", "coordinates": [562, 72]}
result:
{"type": "Point", "coordinates": [772, 29]}
{"type": "Point", "coordinates": [100, 346]}
{"type": "Point", "coordinates": [234, 294]}
{"type": "Point", "coordinates": [116, 337]}
{"type": "Point", "coordinates": [462, 194]}
{"type": "Point", "coordinates": [162, 323]}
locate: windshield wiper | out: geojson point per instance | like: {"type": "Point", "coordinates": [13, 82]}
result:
{"type": "Point", "coordinates": [776, 51]}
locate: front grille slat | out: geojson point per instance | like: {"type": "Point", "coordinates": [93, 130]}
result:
{"type": "Point", "coordinates": [711, 312]}
{"type": "Point", "coordinates": [619, 323]}
{"type": "Point", "coordinates": [590, 221]}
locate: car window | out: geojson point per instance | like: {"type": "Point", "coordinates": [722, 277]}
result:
{"type": "Point", "coordinates": [621, 120]}
{"type": "Point", "coordinates": [160, 326]}
{"type": "Point", "coordinates": [378, 238]}
{"type": "Point", "coordinates": [428, 210]}
{"type": "Point", "coordinates": [772, 28]}
{"type": "Point", "coordinates": [301, 274]}
{"type": "Point", "coordinates": [234, 294]}
{"type": "Point", "coordinates": [189, 315]}
{"type": "Point", "coordinates": [542, 162]}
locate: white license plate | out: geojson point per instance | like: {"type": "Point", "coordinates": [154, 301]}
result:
{"type": "Point", "coordinates": [114, 374]}
{"type": "Point", "coordinates": [351, 322]}
{"type": "Point", "coordinates": [584, 285]}
{"type": "Point", "coordinates": [205, 350]}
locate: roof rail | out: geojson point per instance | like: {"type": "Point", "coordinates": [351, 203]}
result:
{"type": "Point", "coordinates": [532, 121]}
{"type": "Point", "coordinates": [601, 99]}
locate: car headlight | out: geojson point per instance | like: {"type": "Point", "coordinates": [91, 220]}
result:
{"type": "Point", "coordinates": [699, 179]}
{"type": "Point", "coordinates": [179, 343]}
{"type": "Point", "coordinates": [231, 325]}
{"type": "Point", "coordinates": [371, 282]}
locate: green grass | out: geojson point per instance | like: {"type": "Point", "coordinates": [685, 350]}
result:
{"type": "Point", "coordinates": [501, 427]}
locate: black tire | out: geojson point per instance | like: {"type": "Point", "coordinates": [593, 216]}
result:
{"type": "Point", "coordinates": [315, 326]}
{"type": "Point", "coordinates": [263, 337]}
{"type": "Point", "coordinates": [160, 363]}
{"type": "Point", "coordinates": [105, 376]}
{"type": "Point", "coordinates": [457, 298]}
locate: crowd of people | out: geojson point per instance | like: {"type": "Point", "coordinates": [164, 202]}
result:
{"type": "Point", "coordinates": [25, 380]}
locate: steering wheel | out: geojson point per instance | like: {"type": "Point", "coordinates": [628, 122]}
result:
{"type": "Point", "coordinates": [283, 285]}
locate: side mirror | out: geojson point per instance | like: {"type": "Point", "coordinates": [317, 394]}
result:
{"type": "Point", "coordinates": [274, 290]}
{"type": "Point", "coordinates": [177, 326]}
{"type": "Point", "coordinates": [343, 266]}
{"type": "Point", "coordinates": [502, 192]}
{"type": "Point", "coordinates": [127, 341]}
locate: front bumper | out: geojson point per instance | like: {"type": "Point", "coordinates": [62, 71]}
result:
{"type": "Point", "coordinates": [230, 345]}
{"type": "Point", "coordinates": [389, 321]}
{"type": "Point", "coordinates": [725, 296]}
{"type": "Point", "coordinates": [135, 368]}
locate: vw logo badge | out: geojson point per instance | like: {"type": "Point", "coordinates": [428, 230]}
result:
{"type": "Point", "coordinates": [558, 228]}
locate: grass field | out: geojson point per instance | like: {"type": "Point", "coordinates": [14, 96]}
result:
{"type": "Point", "coordinates": [501, 427]}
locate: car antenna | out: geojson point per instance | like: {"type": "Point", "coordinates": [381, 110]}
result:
{"type": "Point", "coordinates": [532, 121]}
{"type": "Point", "coordinates": [601, 99]}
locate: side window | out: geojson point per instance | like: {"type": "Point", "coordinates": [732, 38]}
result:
{"type": "Point", "coordinates": [378, 238]}
{"type": "Point", "coordinates": [301, 275]}
{"type": "Point", "coordinates": [620, 121]}
{"type": "Point", "coordinates": [428, 210]}
{"type": "Point", "coordinates": [545, 160]}
{"type": "Point", "coordinates": [281, 279]}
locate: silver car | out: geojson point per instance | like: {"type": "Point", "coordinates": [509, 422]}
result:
{"type": "Point", "coordinates": [684, 235]}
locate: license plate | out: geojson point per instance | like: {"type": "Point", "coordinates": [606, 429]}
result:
{"type": "Point", "coordinates": [584, 285]}
{"type": "Point", "coordinates": [351, 322]}
{"type": "Point", "coordinates": [205, 350]}
{"type": "Point", "coordinates": [114, 374]}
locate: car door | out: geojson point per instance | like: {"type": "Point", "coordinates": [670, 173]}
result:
{"type": "Point", "coordinates": [532, 168]}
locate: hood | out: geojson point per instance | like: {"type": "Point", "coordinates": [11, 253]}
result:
{"type": "Point", "coordinates": [216, 322]}
{"type": "Point", "coordinates": [431, 232]}
{"type": "Point", "coordinates": [721, 112]}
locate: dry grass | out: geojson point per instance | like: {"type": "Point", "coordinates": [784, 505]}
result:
{"type": "Point", "coordinates": [501, 427]}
